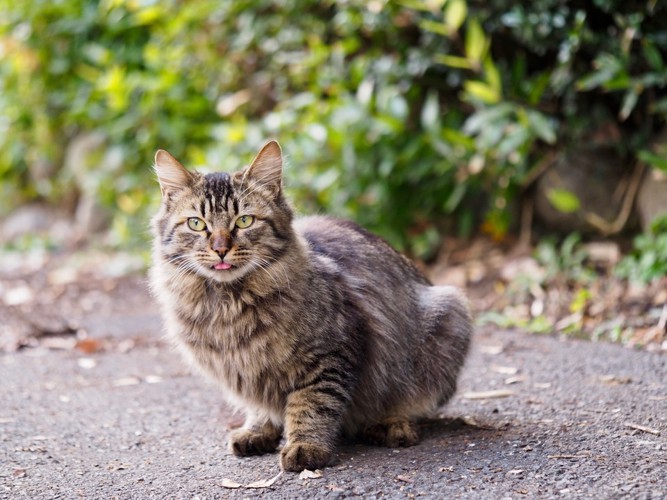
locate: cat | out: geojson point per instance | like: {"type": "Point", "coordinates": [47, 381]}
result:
{"type": "Point", "coordinates": [314, 327]}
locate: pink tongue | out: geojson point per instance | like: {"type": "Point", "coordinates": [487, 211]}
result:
{"type": "Point", "coordinates": [222, 265]}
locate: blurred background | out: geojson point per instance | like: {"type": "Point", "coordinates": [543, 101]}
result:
{"type": "Point", "coordinates": [519, 147]}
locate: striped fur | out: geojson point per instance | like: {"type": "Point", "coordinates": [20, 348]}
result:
{"type": "Point", "coordinates": [319, 327]}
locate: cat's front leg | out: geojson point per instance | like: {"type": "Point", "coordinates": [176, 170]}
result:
{"type": "Point", "coordinates": [312, 423]}
{"type": "Point", "coordinates": [256, 437]}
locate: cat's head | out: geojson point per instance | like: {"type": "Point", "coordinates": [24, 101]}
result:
{"type": "Point", "coordinates": [222, 226]}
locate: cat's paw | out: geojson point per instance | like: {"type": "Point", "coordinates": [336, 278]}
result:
{"type": "Point", "coordinates": [298, 456]}
{"type": "Point", "coordinates": [244, 442]}
{"type": "Point", "coordinates": [393, 433]}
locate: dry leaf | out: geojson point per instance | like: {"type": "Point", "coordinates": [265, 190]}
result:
{"type": "Point", "coordinates": [310, 474]}
{"type": "Point", "coordinates": [264, 483]}
{"type": "Point", "coordinates": [87, 363]}
{"type": "Point", "coordinates": [615, 380]}
{"type": "Point", "coordinates": [514, 380]}
{"type": "Point", "coordinates": [19, 472]}
{"type": "Point", "coordinates": [405, 479]}
{"type": "Point", "coordinates": [505, 370]}
{"type": "Point", "coordinates": [491, 349]}
{"type": "Point", "coordinates": [125, 381]}
{"type": "Point", "coordinates": [89, 346]}
{"type": "Point", "coordinates": [227, 483]}
{"type": "Point", "coordinates": [502, 393]}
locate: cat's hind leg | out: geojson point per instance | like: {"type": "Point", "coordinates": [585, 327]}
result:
{"type": "Point", "coordinates": [394, 432]}
{"type": "Point", "coordinates": [256, 437]}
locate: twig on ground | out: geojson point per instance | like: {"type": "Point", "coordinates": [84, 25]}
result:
{"type": "Point", "coordinates": [642, 428]}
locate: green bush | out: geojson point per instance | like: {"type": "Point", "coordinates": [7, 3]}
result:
{"type": "Point", "coordinates": [648, 260]}
{"type": "Point", "coordinates": [415, 118]}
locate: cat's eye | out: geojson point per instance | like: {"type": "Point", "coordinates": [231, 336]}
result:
{"type": "Point", "coordinates": [196, 224]}
{"type": "Point", "coordinates": [244, 221]}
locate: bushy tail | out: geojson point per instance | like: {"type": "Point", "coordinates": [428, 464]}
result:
{"type": "Point", "coordinates": [447, 318]}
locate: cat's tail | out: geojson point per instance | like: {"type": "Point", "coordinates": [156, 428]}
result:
{"type": "Point", "coordinates": [447, 320]}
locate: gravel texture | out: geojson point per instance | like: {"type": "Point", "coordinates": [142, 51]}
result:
{"type": "Point", "coordinates": [535, 417]}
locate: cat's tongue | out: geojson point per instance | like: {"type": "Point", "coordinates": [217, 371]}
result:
{"type": "Point", "coordinates": [222, 265]}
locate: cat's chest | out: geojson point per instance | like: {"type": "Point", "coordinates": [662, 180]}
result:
{"type": "Point", "coordinates": [242, 343]}
{"type": "Point", "coordinates": [250, 365]}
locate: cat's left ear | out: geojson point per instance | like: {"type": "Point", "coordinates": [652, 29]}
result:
{"type": "Point", "coordinates": [267, 167]}
{"type": "Point", "coordinates": [172, 176]}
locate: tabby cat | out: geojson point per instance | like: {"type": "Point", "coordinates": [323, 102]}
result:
{"type": "Point", "coordinates": [313, 327]}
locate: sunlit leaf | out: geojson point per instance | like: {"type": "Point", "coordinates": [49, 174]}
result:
{"type": "Point", "coordinates": [482, 91]}
{"type": "Point", "coordinates": [563, 200]}
{"type": "Point", "coordinates": [492, 76]}
{"type": "Point", "coordinates": [434, 27]}
{"type": "Point", "coordinates": [455, 14]}
{"type": "Point", "coordinates": [476, 43]}
{"type": "Point", "coordinates": [542, 126]}
{"type": "Point", "coordinates": [430, 115]}
{"type": "Point", "coordinates": [629, 102]}
{"type": "Point", "coordinates": [453, 61]}
{"type": "Point", "coordinates": [656, 161]}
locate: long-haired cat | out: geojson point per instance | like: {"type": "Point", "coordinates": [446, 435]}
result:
{"type": "Point", "coordinates": [313, 327]}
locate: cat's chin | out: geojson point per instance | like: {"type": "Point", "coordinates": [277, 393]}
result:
{"type": "Point", "coordinates": [226, 275]}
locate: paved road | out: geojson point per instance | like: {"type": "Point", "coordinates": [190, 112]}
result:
{"type": "Point", "coordinates": [577, 420]}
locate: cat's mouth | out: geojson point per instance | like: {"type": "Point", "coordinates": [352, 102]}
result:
{"type": "Point", "coordinates": [222, 266]}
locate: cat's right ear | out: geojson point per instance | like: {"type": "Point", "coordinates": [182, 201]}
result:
{"type": "Point", "coordinates": [172, 176]}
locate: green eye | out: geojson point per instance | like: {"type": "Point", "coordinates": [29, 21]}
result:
{"type": "Point", "coordinates": [196, 224]}
{"type": "Point", "coordinates": [244, 221]}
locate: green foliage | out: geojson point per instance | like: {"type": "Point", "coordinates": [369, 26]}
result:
{"type": "Point", "coordinates": [565, 261]}
{"type": "Point", "coordinates": [412, 117]}
{"type": "Point", "coordinates": [648, 260]}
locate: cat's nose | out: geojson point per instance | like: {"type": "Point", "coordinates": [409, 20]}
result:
{"type": "Point", "coordinates": [220, 244]}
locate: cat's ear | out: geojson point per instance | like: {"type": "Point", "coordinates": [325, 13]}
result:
{"type": "Point", "coordinates": [267, 167]}
{"type": "Point", "coordinates": [170, 173]}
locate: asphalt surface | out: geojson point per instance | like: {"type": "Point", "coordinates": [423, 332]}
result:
{"type": "Point", "coordinates": [535, 417]}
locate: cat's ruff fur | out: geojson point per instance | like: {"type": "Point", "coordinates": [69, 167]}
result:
{"type": "Point", "coordinates": [317, 328]}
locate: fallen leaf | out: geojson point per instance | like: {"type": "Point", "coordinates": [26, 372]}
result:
{"type": "Point", "coordinates": [514, 380]}
{"type": "Point", "coordinates": [505, 370]}
{"type": "Point", "coordinates": [226, 483]}
{"type": "Point", "coordinates": [153, 379]}
{"type": "Point", "coordinates": [125, 381]}
{"type": "Point", "coordinates": [19, 472]}
{"type": "Point", "coordinates": [89, 346]}
{"type": "Point", "coordinates": [58, 343]}
{"type": "Point", "coordinates": [615, 380]}
{"type": "Point", "coordinates": [310, 474]}
{"type": "Point", "coordinates": [87, 363]}
{"type": "Point", "coordinates": [404, 478]}
{"type": "Point", "coordinates": [501, 393]}
{"type": "Point", "coordinates": [491, 349]}
{"type": "Point", "coordinates": [264, 483]}
{"type": "Point", "coordinates": [18, 295]}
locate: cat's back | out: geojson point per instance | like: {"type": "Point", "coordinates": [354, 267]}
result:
{"type": "Point", "coordinates": [356, 252]}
